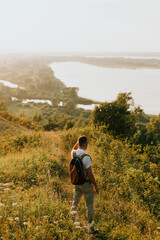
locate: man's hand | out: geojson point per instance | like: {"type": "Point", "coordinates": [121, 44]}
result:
{"type": "Point", "coordinates": [92, 179]}
{"type": "Point", "coordinates": [96, 189]}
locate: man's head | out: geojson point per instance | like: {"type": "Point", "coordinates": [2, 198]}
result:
{"type": "Point", "coordinates": [83, 142]}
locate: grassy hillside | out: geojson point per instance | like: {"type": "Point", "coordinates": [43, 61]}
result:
{"type": "Point", "coordinates": [10, 128]}
{"type": "Point", "coordinates": [36, 194]}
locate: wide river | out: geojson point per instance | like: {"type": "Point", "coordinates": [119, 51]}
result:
{"type": "Point", "coordinates": [104, 84]}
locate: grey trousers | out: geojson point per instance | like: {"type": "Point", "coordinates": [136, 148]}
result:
{"type": "Point", "coordinates": [78, 191]}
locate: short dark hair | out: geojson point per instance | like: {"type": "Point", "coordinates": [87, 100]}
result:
{"type": "Point", "coordinates": [82, 140]}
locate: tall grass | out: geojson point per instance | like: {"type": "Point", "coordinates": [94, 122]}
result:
{"type": "Point", "coordinates": [129, 200]}
{"type": "Point", "coordinates": [36, 194]}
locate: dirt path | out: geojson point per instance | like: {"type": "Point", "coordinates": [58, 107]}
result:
{"type": "Point", "coordinates": [56, 145]}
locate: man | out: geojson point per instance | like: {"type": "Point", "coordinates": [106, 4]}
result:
{"type": "Point", "coordinates": [89, 187]}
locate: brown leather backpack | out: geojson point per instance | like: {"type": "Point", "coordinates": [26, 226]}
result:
{"type": "Point", "coordinates": [77, 171]}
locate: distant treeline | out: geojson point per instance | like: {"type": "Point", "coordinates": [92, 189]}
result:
{"type": "Point", "coordinates": [110, 62]}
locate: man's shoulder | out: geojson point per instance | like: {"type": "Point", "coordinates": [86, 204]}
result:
{"type": "Point", "coordinates": [80, 152]}
{"type": "Point", "coordinates": [87, 157]}
{"type": "Point", "coordinates": [86, 160]}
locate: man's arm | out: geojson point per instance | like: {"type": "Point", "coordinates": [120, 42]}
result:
{"type": "Point", "coordinates": [75, 146]}
{"type": "Point", "coordinates": [74, 149]}
{"type": "Point", "coordinates": [92, 179]}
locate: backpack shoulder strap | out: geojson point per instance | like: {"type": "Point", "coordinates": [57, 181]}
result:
{"type": "Point", "coordinates": [83, 155]}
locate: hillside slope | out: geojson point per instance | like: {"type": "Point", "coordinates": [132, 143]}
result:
{"type": "Point", "coordinates": [10, 128]}
{"type": "Point", "coordinates": [36, 193]}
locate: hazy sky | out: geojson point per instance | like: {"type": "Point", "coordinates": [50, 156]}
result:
{"type": "Point", "coordinates": [79, 25]}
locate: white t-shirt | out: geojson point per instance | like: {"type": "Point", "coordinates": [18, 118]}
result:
{"type": "Point", "coordinates": [86, 160]}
